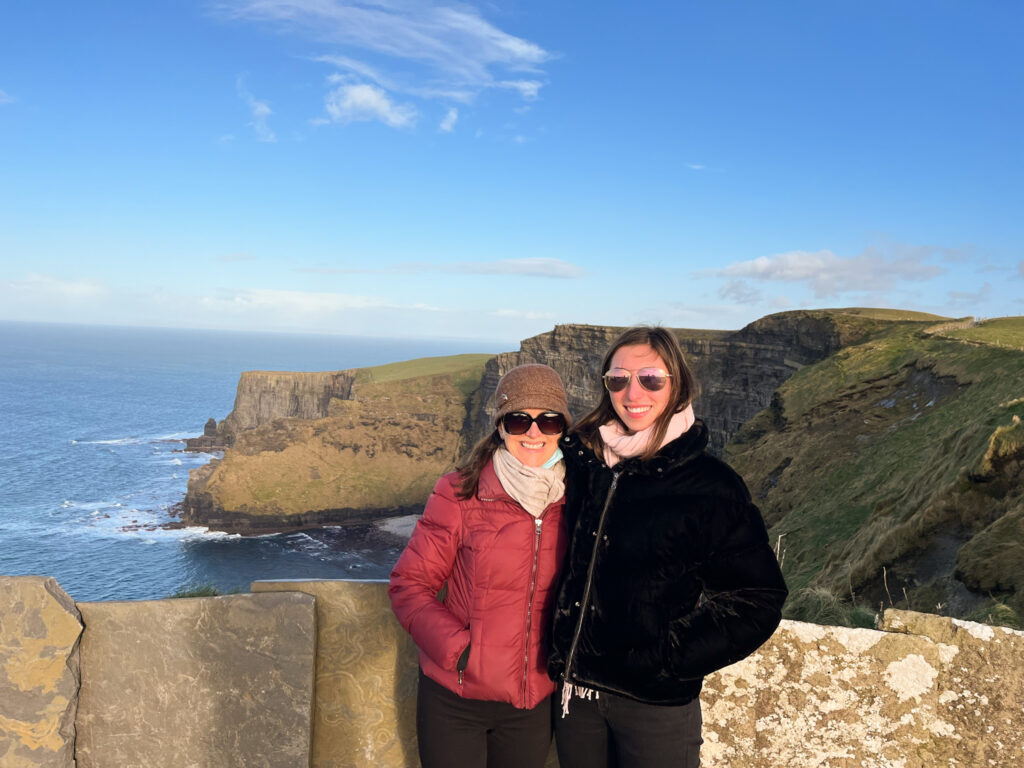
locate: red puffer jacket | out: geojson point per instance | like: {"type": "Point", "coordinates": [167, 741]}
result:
{"type": "Point", "coordinates": [501, 566]}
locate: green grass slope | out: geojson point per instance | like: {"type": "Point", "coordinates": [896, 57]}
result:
{"type": "Point", "coordinates": [891, 474]}
{"type": "Point", "coordinates": [1001, 332]}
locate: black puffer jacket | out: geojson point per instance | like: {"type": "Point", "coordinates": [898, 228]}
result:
{"type": "Point", "coordinates": [669, 574]}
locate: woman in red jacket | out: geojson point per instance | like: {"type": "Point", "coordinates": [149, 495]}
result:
{"type": "Point", "coordinates": [492, 533]}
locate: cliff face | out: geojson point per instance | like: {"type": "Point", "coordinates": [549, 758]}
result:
{"type": "Point", "coordinates": [374, 452]}
{"type": "Point", "coordinates": [307, 449]}
{"type": "Point", "coordinates": [263, 396]}
{"type": "Point", "coordinates": [737, 370]}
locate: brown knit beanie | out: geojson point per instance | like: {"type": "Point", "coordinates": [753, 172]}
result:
{"type": "Point", "coordinates": [530, 386]}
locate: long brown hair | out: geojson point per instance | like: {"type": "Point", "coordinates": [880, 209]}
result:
{"type": "Point", "coordinates": [473, 463]}
{"type": "Point", "coordinates": [683, 386]}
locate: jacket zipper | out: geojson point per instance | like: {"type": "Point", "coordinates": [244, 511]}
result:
{"type": "Point", "coordinates": [567, 674]}
{"type": "Point", "coordinates": [529, 606]}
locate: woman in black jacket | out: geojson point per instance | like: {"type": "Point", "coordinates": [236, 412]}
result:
{"type": "Point", "coordinates": [669, 575]}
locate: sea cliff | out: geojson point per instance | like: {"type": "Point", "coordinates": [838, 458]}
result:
{"type": "Point", "coordinates": [306, 449]}
{"type": "Point", "coordinates": [883, 447]}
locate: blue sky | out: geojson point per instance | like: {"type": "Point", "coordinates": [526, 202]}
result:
{"type": "Point", "coordinates": [491, 169]}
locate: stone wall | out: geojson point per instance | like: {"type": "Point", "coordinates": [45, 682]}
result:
{"type": "Point", "coordinates": [39, 634]}
{"type": "Point", "coordinates": [211, 681]}
{"type": "Point", "coordinates": [233, 681]}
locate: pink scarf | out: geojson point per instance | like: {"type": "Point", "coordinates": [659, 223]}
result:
{"type": "Point", "coordinates": [620, 444]}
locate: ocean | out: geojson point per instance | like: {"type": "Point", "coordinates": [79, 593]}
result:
{"type": "Point", "coordinates": [92, 427]}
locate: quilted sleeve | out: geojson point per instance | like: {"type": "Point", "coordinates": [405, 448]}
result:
{"type": "Point", "coordinates": [423, 568]}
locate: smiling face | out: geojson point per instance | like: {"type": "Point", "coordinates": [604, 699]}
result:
{"type": "Point", "coordinates": [639, 408]}
{"type": "Point", "coordinates": [534, 448]}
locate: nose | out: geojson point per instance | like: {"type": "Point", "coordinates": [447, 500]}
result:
{"type": "Point", "coordinates": [534, 430]}
{"type": "Point", "coordinates": [633, 387]}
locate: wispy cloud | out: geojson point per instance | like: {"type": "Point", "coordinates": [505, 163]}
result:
{"type": "Point", "coordinates": [352, 103]}
{"type": "Point", "coordinates": [690, 315]}
{"type": "Point", "coordinates": [828, 275]}
{"type": "Point", "coordinates": [1020, 268]}
{"type": "Point", "coordinates": [299, 302]}
{"type": "Point", "coordinates": [965, 298]}
{"type": "Point", "coordinates": [531, 267]}
{"type": "Point", "coordinates": [695, 166]}
{"type": "Point", "coordinates": [739, 291]}
{"type": "Point", "coordinates": [458, 52]}
{"type": "Point", "coordinates": [448, 123]}
{"type": "Point", "coordinates": [5, 98]}
{"type": "Point", "coordinates": [527, 267]}
{"type": "Point", "coordinates": [260, 111]}
{"type": "Point", "coordinates": [521, 314]}
{"type": "Point", "coordinates": [46, 285]}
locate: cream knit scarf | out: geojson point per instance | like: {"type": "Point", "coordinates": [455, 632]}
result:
{"type": "Point", "coordinates": [533, 487]}
{"type": "Point", "coordinates": [620, 444]}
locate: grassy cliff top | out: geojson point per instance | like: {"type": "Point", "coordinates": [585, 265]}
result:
{"type": "Point", "coordinates": [424, 366]}
{"type": "Point", "coordinates": [463, 370]}
{"type": "Point", "coordinates": [877, 313]}
{"type": "Point", "coordinates": [999, 331]}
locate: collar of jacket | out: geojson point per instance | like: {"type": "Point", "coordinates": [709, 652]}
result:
{"type": "Point", "coordinates": [687, 446]}
{"type": "Point", "coordinates": [490, 486]}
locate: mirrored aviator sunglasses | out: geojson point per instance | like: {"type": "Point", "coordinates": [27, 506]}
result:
{"type": "Point", "coordinates": [518, 423]}
{"type": "Point", "coordinates": [651, 379]}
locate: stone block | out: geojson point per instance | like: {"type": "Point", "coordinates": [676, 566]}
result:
{"type": "Point", "coordinates": [980, 686]}
{"type": "Point", "coordinates": [930, 691]}
{"type": "Point", "coordinates": [365, 713]}
{"type": "Point", "coordinates": [39, 654]}
{"type": "Point", "coordinates": [204, 682]}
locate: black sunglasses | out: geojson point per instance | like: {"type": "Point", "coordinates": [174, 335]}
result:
{"type": "Point", "coordinates": [651, 379]}
{"type": "Point", "coordinates": [518, 423]}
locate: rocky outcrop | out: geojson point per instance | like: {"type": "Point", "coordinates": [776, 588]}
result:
{"type": "Point", "coordinates": [39, 672]}
{"type": "Point", "coordinates": [365, 449]}
{"type": "Point", "coordinates": [211, 440]}
{"type": "Point", "coordinates": [265, 396]}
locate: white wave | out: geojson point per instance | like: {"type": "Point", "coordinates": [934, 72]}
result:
{"type": "Point", "coordinates": [400, 526]}
{"type": "Point", "coordinates": [113, 441]}
{"type": "Point", "coordinates": [176, 462]}
{"type": "Point", "coordinates": [93, 506]}
{"type": "Point", "coordinates": [307, 541]}
{"type": "Point", "coordinates": [173, 437]}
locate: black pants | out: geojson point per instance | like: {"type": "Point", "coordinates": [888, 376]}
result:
{"type": "Point", "coordinates": [454, 732]}
{"type": "Point", "coordinates": [607, 731]}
